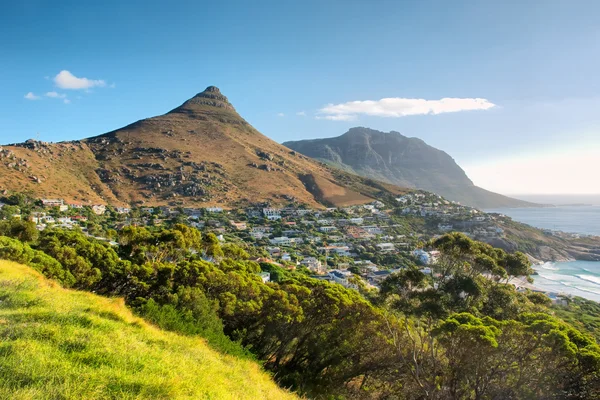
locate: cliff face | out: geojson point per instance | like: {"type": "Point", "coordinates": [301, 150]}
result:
{"type": "Point", "coordinates": [397, 159]}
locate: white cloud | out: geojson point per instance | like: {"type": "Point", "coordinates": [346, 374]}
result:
{"type": "Point", "coordinates": [66, 80]}
{"type": "Point", "coordinates": [301, 113]}
{"type": "Point", "coordinates": [31, 96]}
{"type": "Point", "coordinates": [396, 107]}
{"type": "Point", "coordinates": [281, 115]}
{"type": "Point", "coordinates": [56, 95]}
{"type": "Point", "coordinates": [340, 117]}
{"type": "Point", "coordinates": [66, 101]}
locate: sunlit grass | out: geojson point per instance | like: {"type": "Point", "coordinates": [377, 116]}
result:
{"type": "Point", "coordinates": [63, 344]}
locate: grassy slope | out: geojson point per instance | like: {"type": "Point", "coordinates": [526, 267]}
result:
{"type": "Point", "coordinates": [64, 344]}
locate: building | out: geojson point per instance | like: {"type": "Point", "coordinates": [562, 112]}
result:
{"type": "Point", "coordinates": [272, 214]}
{"type": "Point", "coordinates": [286, 257]}
{"type": "Point", "coordinates": [285, 241]}
{"type": "Point", "coordinates": [98, 209]}
{"type": "Point", "coordinates": [326, 229]}
{"type": "Point", "coordinates": [214, 209]}
{"type": "Point", "coordinates": [422, 256]}
{"type": "Point", "coordinates": [274, 251]}
{"type": "Point", "coordinates": [342, 277]}
{"type": "Point", "coordinates": [445, 227]}
{"type": "Point", "coordinates": [240, 226]}
{"type": "Point", "coordinates": [386, 247]}
{"type": "Point", "coordinates": [265, 276]}
{"type": "Point", "coordinates": [313, 264]}
{"type": "Point", "coordinates": [52, 202]}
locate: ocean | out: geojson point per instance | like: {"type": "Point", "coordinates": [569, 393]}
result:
{"type": "Point", "coordinates": [575, 219]}
{"type": "Point", "coordinates": [578, 278]}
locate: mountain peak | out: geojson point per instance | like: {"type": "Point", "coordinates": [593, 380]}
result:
{"type": "Point", "coordinates": [211, 96]}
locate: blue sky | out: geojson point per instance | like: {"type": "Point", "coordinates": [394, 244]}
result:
{"type": "Point", "coordinates": [535, 63]}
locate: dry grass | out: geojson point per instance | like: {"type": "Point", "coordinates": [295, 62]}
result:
{"type": "Point", "coordinates": [203, 134]}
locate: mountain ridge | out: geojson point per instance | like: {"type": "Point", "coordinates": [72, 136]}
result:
{"type": "Point", "coordinates": [201, 153]}
{"type": "Point", "coordinates": [409, 162]}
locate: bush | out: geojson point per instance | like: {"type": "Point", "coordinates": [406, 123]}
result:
{"type": "Point", "coordinates": [14, 250]}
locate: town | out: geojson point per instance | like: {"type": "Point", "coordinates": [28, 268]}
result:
{"type": "Point", "coordinates": [353, 246]}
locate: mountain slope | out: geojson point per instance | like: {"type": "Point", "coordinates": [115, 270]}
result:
{"type": "Point", "coordinates": [65, 344]}
{"type": "Point", "coordinates": [200, 153]}
{"type": "Point", "coordinates": [403, 161]}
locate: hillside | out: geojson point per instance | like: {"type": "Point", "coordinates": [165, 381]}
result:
{"type": "Point", "coordinates": [59, 343]}
{"type": "Point", "coordinates": [403, 161]}
{"type": "Point", "coordinates": [200, 153]}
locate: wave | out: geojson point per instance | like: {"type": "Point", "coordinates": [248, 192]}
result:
{"type": "Point", "coordinates": [550, 266]}
{"type": "Point", "coordinates": [590, 278]}
{"type": "Point", "coordinates": [553, 278]}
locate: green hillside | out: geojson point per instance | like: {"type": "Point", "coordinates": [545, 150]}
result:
{"type": "Point", "coordinates": [65, 344]}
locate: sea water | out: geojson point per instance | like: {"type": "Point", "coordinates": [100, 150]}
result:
{"type": "Point", "coordinates": [574, 219]}
{"type": "Point", "coordinates": [578, 278]}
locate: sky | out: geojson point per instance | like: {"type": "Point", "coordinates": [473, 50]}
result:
{"type": "Point", "coordinates": [510, 89]}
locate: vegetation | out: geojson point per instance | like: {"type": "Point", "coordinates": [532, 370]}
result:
{"type": "Point", "coordinates": [581, 313]}
{"type": "Point", "coordinates": [461, 332]}
{"type": "Point", "coordinates": [65, 344]}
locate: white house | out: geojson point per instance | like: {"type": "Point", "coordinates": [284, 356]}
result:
{"type": "Point", "coordinates": [313, 264]}
{"type": "Point", "coordinates": [327, 228]}
{"type": "Point", "coordinates": [272, 214]}
{"type": "Point", "coordinates": [283, 241]}
{"type": "Point", "coordinates": [98, 209]}
{"type": "Point", "coordinates": [52, 202]}
{"type": "Point", "coordinates": [386, 247]}
{"type": "Point", "coordinates": [265, 276]}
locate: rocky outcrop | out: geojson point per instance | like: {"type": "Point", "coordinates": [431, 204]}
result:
{"type": "Point", "coordinates": [403, 161]}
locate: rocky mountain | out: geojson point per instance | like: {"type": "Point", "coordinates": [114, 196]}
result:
{"type": "Point", "coordinates": [400, 160]}
{"type": "Point", "coordinates": [198, 154]}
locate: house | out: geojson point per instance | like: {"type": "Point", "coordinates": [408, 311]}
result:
{"type": "Point", "coordinates": [385, 247]}
{"type": "Point", "coordinates": [340, 250]}
{"type": "Point", "coordinates": [98, 209]}
{"type": "Point", "coordinates": [286, 257]}
{"type": "Point", "coordinates": [342, 277]}
{"type": "Point", "coordinates": [52, 202]}
{"type": "Point", "coordinates": [63, 207]}
{"type": "Point", "coordinates": [274, 251]}
{"type": "Point", "coordinates": [421, 255]}
{"type": "Point", "coordinates": [261, 229]}
{"type": "Point", "coordinates": [376, 277]}
{"type": "Point", "coordinates": [258, 235]}
{"type": "Point", "coordinates": [373, 229]}
{"type": "Point", "coordinates": [445, 227]}
{"type": "Point", "coordinates": [313, 264]}
{"type": "Point", "coordinates": [198, 224]}
{"type": "Point", "coordinates": [285, 241]}
{"type": "Point", "coordinates": [240, 226]}
{"type": "Point", "coordinates": [214, 209]}
{"type": "Point", "coordinates": [272, 214]}
{"type": "Point", "coordinates": [326, 229]}
{"type": "Point", "coordinates": [265, 276]}
{"type": "Point", "coordinates": [303, 212]}
{"type": "Point", "coordinates": [148, 210]}
{"type": "Point", "coordinates": [357, 221]}
{"type": "Point", "coordinates": [80, 218]}
{"type": "Point", "coordinates": [122, 210]}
